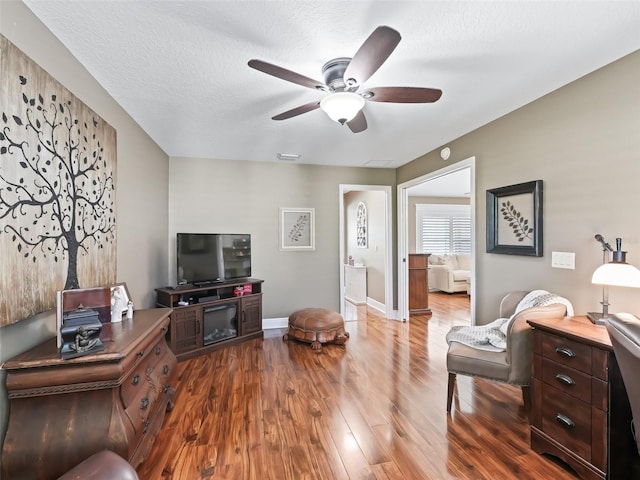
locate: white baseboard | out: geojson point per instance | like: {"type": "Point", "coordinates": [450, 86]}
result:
{"type": "Point", "coordinates": [351, 312]}
{"type": "Point", "coordinates": [376, 305]}
{"type": "Point", "coordinates": [382, 308]}
{"type": "Point", "coordinates": [269, 323]}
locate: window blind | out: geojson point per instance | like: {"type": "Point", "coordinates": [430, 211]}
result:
{"type": "Point", "coordinates": [443, 229]}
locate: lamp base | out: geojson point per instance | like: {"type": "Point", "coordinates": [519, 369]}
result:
{"type": "Point", "coordinates": [597, 318]}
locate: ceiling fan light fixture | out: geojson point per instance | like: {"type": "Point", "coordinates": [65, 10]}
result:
{"type": "Point", "coordinates": [342, 107]}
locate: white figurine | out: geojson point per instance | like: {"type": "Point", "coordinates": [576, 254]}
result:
{"type": "Point", "coordinates": [130, 310]}
{"type": "Point", "coordinates": [118, 304]}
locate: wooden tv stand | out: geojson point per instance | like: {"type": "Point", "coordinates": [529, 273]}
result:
{"type": "Point", "coordinates": [190, 304]}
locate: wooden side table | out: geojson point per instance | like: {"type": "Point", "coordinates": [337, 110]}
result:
{"type": "Point", "coordinates": [580, 409]}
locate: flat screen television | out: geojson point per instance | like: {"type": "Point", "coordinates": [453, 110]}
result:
{"type": "Point", "coordinates": [212, 257]}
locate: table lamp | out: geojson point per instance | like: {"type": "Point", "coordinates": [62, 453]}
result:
{"type": "Point", "coordinates": [616, 273]}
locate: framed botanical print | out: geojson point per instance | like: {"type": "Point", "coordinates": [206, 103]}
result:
{"type": "Point", "coordinates": [297, 229]}
{"type": "Point", "coordinates": [514, 219]}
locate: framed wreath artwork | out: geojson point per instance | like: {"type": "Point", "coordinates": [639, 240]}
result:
{"type": "Point", "coordinates": [297, 229]}
{"type": "Point", "coordinates": [514, 219]}
{"type": "Point", "coordinates": [361, 225]}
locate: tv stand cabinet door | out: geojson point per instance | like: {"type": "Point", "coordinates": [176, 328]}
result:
{"type": "Point", "coordinates": [186, 329]}
{"type": "Point", "coordinates": [251, 320]}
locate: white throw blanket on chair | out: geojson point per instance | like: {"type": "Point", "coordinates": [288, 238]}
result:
{"type": "Point", "coordinates": [493, 336]}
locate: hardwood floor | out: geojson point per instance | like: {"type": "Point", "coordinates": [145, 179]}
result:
{"type": "Point", "coordinates": [375, 409]}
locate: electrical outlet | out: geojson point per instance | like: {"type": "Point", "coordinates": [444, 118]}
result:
{"type": "Point", "coordinates": [563, 260]}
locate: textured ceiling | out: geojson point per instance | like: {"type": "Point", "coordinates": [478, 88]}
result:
{"type": "Point", "coordinates": [179, 68]}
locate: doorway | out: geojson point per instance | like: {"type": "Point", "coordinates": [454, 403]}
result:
{"type": "Point", "coordinates": [403, 230]}
{"type": "Point", "coordinates": [377, 246]}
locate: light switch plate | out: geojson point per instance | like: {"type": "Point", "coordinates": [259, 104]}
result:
{"type": "Point", "coordinates": [563, 260]}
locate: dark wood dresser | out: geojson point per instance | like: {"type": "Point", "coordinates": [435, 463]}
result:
{"type": "Point", "coordinates": [580, 410]}
{"type": "Point", "coordinates": [63, 411]}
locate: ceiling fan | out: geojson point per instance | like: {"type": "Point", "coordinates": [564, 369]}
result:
{"type": "Point", "coordinates": [344, 76]}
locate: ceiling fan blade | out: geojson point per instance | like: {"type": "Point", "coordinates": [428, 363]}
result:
{"type": "Point", "coordinates": [287, 75]}
{"type": "Point", "coordinates": [373, 53]}
{"type": "Point", "coordinates": [307, 107]}
{"type": "Point", "coordinates": [403, 94]}
{"type": "Point", "coordinates": [358, 123]}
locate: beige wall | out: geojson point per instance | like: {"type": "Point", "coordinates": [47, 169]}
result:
{"type": "Point", "coordinates": [207, 195]}
{"type": "Point", "coordinates": [374, 255]}
{"type": "Point", "coordinates": [583, 141]}
{"type": "Point", "coordinates": [142, 178]}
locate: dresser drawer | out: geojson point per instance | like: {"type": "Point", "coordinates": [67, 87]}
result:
{"type": "Point", "coordinates": [142, 405]}
{"type": "Point", "coordinates": [166, 367]}
{"type": "Point", "coordinates": [568, 380]}
{"type": "Point", "coordinates": [567, 352]}
{"type": "Point", "coordinates": [150, 368]}
{"type": "Point", "coordinates": [135, 358]}
{"type": "Point", "coordinates": [567, 421]}
{"type": "Point", "coordinates": [147, 385]}
{"type": "Point", "coordinates": [152, 425]}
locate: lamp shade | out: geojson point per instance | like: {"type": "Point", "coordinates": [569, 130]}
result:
{"type": "Point", "coordinates": [617, 275]}
{"type": "Point", "coordinates": [342, 106]}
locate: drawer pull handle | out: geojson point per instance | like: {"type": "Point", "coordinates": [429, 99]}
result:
{"type": "Point", "coordinates": [566, 421]}
{"type": "Point", "coordinates": [165, 369]}
{"type": "Point", "coordinates": [565, 351]}
{"type": "Point", "coordinates": [146, 426]}
{"type": "Point", "coordinates": [141, 353]}
{"type": "Point", "coordinates": [135, 380]}
{"type": "Point", "coordinates": [566, 379]}
{"type": "Point", "coordinates": [164, 329]}
{"type": "Point", "coordinates": [144, 403]}
{"type": "Point", "coordinates": [158, 350]}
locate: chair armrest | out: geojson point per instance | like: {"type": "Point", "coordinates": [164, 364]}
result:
{"type": "Point", "coordinates": [104, 465]}
{"type": "Point", "coordinates": [510, 302]}
{"type": "Point", "coordinates": [520, 341]}
{"type": "Point", "coordinates": [438, 277]}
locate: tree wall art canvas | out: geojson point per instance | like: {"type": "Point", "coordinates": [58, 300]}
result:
{"type": "Point", "coordinates": [57, 190]}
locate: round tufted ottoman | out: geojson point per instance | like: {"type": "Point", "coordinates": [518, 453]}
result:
{"type": "Point", "coordinates": [317, 326]}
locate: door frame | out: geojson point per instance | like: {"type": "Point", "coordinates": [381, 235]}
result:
{"type": "Point", "coordinates": [403, 232]}
{"type": "Point", "coordinates": [388, 251]}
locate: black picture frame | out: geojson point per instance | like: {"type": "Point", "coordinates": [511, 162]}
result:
{"type": "Point", "coordinates": [514, 219]}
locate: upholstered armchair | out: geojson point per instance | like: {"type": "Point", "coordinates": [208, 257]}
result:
{"type": "Point", "coordinates": [449, 273]}
{"type": "Point", "coordinates": [513, 365]}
